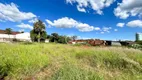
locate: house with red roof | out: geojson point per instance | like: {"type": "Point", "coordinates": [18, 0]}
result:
{"type": "Point", "coordinates": [4, 37]}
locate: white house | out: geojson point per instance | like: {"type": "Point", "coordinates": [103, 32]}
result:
{"type": "Point", "coordinates": [23, 36]}
{"type": "Point", "coordinates": [14, 35]}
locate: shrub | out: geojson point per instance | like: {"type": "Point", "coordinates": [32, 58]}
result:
{"type": "Point", "coordinates": [136, 46]}
{"type": "Point", "coordinates": [139, 42]}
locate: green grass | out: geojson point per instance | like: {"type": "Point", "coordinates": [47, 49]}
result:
{"type": "Point", "coordinates": [65, 62]}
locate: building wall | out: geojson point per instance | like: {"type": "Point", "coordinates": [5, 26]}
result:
{"type": "Point", "coordinates": [21, 37]}
{"type": "Point", "coordinates": [5, 40]}
{"type": "Point", "coordinates": [7, 36]}
{"type": "Point", "coordinates": [138, 36]}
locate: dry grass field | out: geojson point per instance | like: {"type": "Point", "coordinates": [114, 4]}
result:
{"type": "Point", "coordinates": [67, 62]}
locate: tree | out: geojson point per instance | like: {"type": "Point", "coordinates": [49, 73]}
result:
{"type": "Point", "coordinates": [74, 37]}
{"type": "Point", "coordinates": [38, 33]}
{"type": "Point", "coordinates": [67, 39]}
{"type": "Point", "coordinates": [8, 31]}
{"type": "Point", "coordinates": [62, 39]}
{"type": "Point", "coordinates": [48, 36]}
{"type": "Point", "coordinates": [33, 36]}
{"type": "Point", "coordinates": [54, 37]}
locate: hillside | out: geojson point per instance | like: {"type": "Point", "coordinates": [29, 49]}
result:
{"type": "Point", "coordinates": [67, 62]}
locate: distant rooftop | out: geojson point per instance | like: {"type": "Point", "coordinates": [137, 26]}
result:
{"type": "Point", "coordinates": [13, 32]}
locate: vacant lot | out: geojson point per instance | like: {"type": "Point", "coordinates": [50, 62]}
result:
{"type": "Point", "coordinates": [66, 62]}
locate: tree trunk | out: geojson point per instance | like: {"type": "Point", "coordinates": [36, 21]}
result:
{"type": "Point", "coordinates": [39, 37]}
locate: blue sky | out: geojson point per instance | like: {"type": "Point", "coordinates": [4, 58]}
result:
{"type": "Point", "coordinates": [102, 19]}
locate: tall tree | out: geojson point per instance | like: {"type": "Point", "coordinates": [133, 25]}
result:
{"type": "Point", "coordinates": [38, 31]}
{"type": "Point", "coordinates": [8, 31]}
{"type": "Point", "coordinates": [74, 37]}
{"type": "Point", "coordinates": [55, 37]}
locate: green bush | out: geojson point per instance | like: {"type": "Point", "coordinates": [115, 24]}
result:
{"type": "Point", "coordinates": [139, 42]}
{"type": "Point", "coordinates": [136, 46]}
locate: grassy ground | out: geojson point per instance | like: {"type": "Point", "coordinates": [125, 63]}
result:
{"type": "Point", "coordinates": [66, 62]}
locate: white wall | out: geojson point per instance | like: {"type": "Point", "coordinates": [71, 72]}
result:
{"type": "Point", "coordinates": [7, 36]}
{"type": "Point", "coordinates": [47, 41]}
{"type": "Point", "coordinates": [22, 36]}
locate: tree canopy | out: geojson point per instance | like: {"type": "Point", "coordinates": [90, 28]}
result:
{"type": "Point", "coordinates": [38, 33]}
{"type": "Point", "coordinates": [8, 31]}
{"type": "Point", "coordinates": [55, 37]}
{"type": "Point", "coordinates": [74, 37]}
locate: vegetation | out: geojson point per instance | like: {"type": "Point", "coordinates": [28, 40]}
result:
{"type": "Point", "coordinates": [139, 42]}
{"type": "Point", "coordinates": [136, 46]}
{"type": "Point", "coordinates": [38, 33]}
{"type": "Point", "coordinates": [74, 37]}
{"type": "Point", "coordinates": [83, 44]}
{"type": "Point", "coordinates": [55, 37]}
{"type": "Point", "coordinates": [8, 31]}
{"type": "Point", "coordinates": [29, 61]}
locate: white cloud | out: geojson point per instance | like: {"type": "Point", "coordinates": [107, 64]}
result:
{"type": "Point", "coordinates": [96, 5]}
{"type": "Point", "coordinates": [84, 27]}
{"type": "Point", "coordinates": [50, 24]}
{"type": "Point", "coordinates": [62, 23]}
{"type": "Point", "coordinates": [135, 23]}
{"type": "Point", "coordinates": [44, 24]}
{"type": "Point", "coordinates": [102, 32]}
{"type": "Point", "coordinates": [25, 26]}
{"type": "Point", "coordinates": [81, 9]}
{"type": "Point", "coordinates": [33, 20]}
{"type": "Point", "coordinates": [66, 22]}
{"type": "Point", "coordinates": [10, 12]}
{"type": "Point", "coordinates": [120, 24]}
{"type": "Point", "coordinates": [106, 29]}
{"type": "Point", "coordinates": [140, 15]}
{"type": "Point", "coordinates": [115, 30]}
{"type": "Point", "coordinates": [97, 29]}
{"type": "Point", "coordinates": [80, 37]}
{"type": "Point", "coordinates": [128, 8]}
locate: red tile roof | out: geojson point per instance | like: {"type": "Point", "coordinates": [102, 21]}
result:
{"type": "Point", "coordinates": [13, 32]}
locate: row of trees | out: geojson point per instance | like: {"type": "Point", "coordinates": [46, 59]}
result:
{"type": "Point", "coordinates": [38, 34]}
{"type": "Point", "coordinates": [55, 37]}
